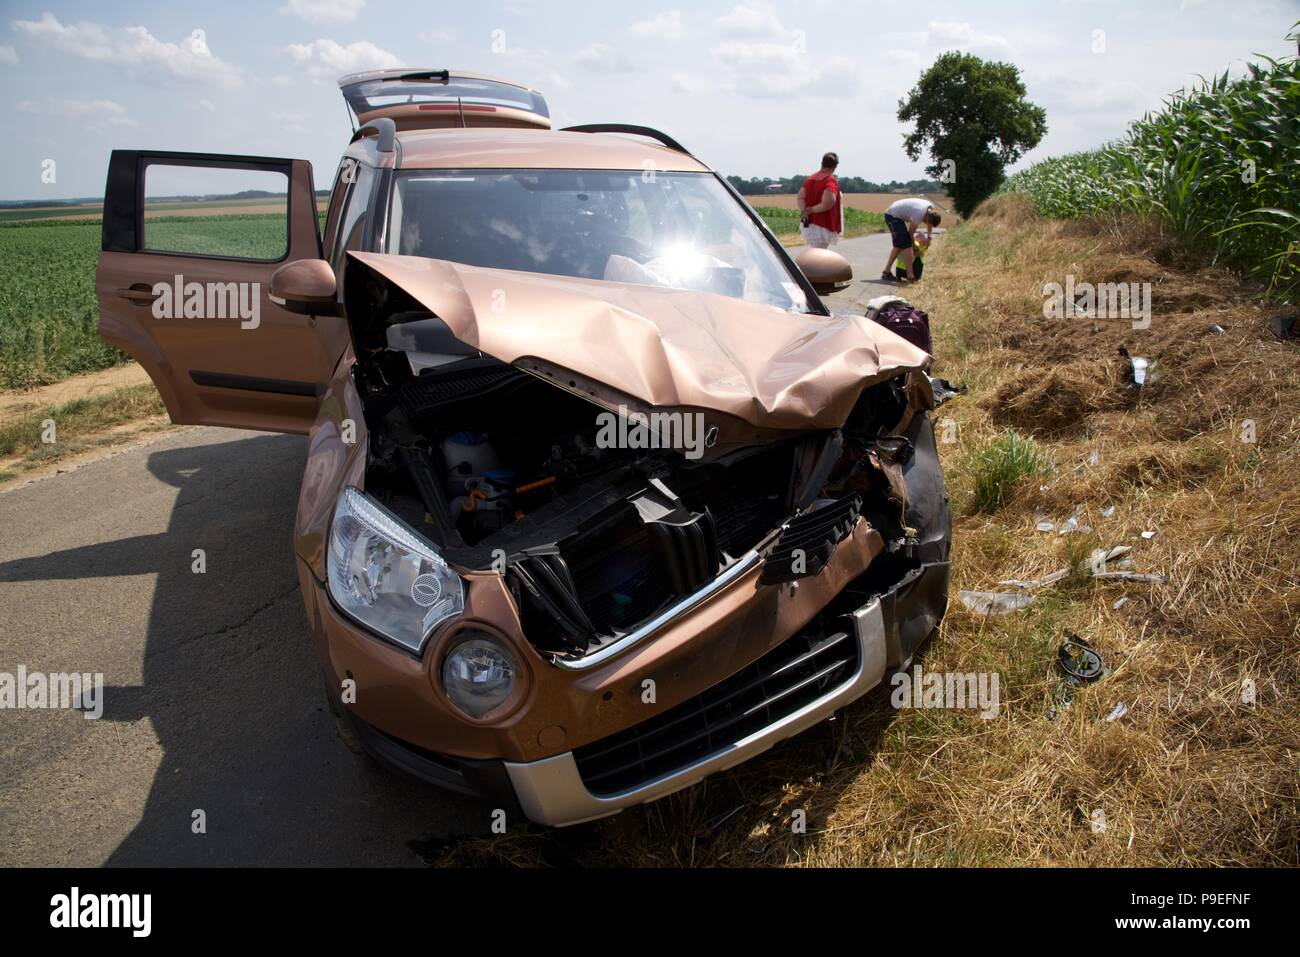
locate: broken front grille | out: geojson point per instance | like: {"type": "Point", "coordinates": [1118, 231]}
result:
{"type": "Point", "coordinates": [807, 666]}
{"type": "Point", "coordinates": [808, 541]}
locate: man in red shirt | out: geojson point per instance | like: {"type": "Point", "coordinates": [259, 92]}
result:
{"type": "Point", "coordinates": [820, 216]}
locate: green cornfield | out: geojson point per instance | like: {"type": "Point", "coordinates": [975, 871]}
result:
{"type": "Point", "coordinates": [1220, 164]}
{"type": "Point", "coordinates": [49, 319]}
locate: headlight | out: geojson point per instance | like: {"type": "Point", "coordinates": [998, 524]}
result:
{"type": "Point", "coordinates": [479, 674]}
{"type": "Point", "coordinates": [385, 576]}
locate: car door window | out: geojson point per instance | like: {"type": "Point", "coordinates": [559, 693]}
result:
{"type": "Point", "coordinates": [352, 225]}
{"type": "Point", "coordinates": [338, 197]}
{"type": "Point", "coordinates": [199, 209]}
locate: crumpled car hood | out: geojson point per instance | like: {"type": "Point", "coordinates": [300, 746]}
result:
{"type": "Point", "coordinates": [662, 347]}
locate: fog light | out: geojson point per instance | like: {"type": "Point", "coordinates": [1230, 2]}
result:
{"type": "Point", "coordinates": [478, 673]}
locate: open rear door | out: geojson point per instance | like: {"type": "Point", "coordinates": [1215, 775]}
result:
{"type": "Point", "coordinates": [190, 242]}
{"type": "Point", "coordinates": [436, 99]}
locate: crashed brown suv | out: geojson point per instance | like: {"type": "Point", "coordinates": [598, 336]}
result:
{"type": "Point", "coordinates": [600, 497]}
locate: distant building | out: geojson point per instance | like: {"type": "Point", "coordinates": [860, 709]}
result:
{"type": "Point", "coordinates": [774, 187]}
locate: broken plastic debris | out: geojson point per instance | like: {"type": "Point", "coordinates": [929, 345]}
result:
{"type": "Point", "coordinates": [1149, 535]}
{"type": "Point", "coordinates": [1108, 511]}
{"type": "Point", "coordinates": [1117, 712]}
{"type": "Point", "coordinates": [1103, 557]}
{"type": "Point", "coordinates": [1147, 579]}
{"type": "Point", "coordinates": [1138, 367]}
{"type": "Point", "coordinates": [1051, 579]}
{"type": "Point", "coordinates": [994, 602]}
{"type": "Point", "coordinates": [1071, 524]}
{"type": "Point", "coordinates": [1119, 603]}
{"type": "Point", "coordinates": [1046, 526]}
{"type": "Point", "coordinates": [1078, 660]}
{"type": "Point", "coordinates": [1217, 329]}
{"type": "Point", "coordinates": [945, 390]}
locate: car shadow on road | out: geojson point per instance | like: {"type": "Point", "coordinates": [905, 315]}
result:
{"type": "Point", "coordinates": [232, 686]}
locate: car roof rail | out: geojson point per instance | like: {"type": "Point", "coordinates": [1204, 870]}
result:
{"type": "Point", "coordinates": [384, 128]}
{"type": "Point", "coordinates": [654, 134]}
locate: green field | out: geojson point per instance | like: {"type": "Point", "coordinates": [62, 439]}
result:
{"type": "Point", "coordinates": [785, 222]}
{"type": "Point", "coordinates": [49, 320]}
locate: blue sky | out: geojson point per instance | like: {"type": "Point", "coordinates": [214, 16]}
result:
{"type": "Point", "coordinates": [752, 88]}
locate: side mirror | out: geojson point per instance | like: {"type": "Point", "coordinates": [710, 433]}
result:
{"type": "Point", "coordinates": [827, 271]}
{"type": "Point", "coordinates": [307, 286]}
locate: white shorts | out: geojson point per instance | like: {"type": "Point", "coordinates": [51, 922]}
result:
{"type": "Point", "coordinates": [819, 237]}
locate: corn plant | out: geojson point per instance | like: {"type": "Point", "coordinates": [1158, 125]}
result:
{"type": "Point", "coordinates": [1220, 163]}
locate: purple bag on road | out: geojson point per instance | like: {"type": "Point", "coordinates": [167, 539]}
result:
{"type": "Point", "coordinates": [912, 324]}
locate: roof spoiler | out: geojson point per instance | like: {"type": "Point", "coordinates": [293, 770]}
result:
{"type": "Point", "coordinates": [384, 128]}
{"type": "Point", "coordinates": [654, 134]}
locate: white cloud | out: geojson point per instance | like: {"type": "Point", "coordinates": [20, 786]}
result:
{"type": "Point", "coordinates": [745, 21]}
{"type": "Point", "coordinates": [664, 26]}
{"type": "Point", "coordinates": [603, 58]}
{"type": "Point", "coordinates": [329, 58]}
{"type": "Point", "coordinates": [208, 105]}
{"type": "Point", "coordinates": [8, 56]}
{"type": "Point", "coordinates": [134, 49]}
{"type": "Point", "coordinates": [531, 68]}
{"type": "Point", "coordinates": [943, 35]}
{"type": "Point", "coordinates": [684, 83]}
{"type": "Point", "coordinates": [96, 114]}
{"type": "Point", "coordinates": [57, 107]}
{"type": "Point", "coordinates": [771, 70]}
{"type": "Point", "coordinates": [1066, 94]}
{"type": "Point", "coordinates": [439, 36]}
{"type": "Point", "coordinates": [324, 11]}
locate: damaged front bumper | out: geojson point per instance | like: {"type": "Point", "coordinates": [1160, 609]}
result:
{"type": "Point", "coordinates": [834, 659]}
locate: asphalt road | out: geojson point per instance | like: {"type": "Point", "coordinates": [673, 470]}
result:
{"type": "Point", "coordinates": [213, 700]}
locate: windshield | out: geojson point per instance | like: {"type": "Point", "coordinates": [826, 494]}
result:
{"type": "Point", "coordinates": [679, 230]}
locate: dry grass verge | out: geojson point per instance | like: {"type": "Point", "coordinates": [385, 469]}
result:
{"type": "Point", "coordinates": [39, 437]}
{"type": "Point", "coordinates": [1190, 774]}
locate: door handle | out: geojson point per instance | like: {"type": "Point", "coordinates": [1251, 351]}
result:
{"type": "Point", "coordinates": [139, 294]}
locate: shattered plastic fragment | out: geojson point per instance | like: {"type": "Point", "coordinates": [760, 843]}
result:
{"type": "Point", "coordinates": [1108, 511]}
{"type": "Point", "coordinates": [994, 602]}
{"type": "Point", "coordinates": [945, 390]}
{"type": "Point", "coordinates": [1071, 524]}
{"type": "Point", "coordinates": [1051, 579]}
{"type": "Point", "coordinates": [1142, 577]}
{"type": "Point", "coordinates": [1117, 712]}
{"type": "Point", "coordinates": [1046, 526]}
{"type": "Point", "coordinates": [1138, 367]}
{"type": "Point", "coordinates": [1149, 535]}
{"type": "Point", "coordinates": [1119, 603]}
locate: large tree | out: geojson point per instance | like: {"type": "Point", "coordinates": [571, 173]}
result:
{"type": "Point", "coordinates": [973, 116]}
